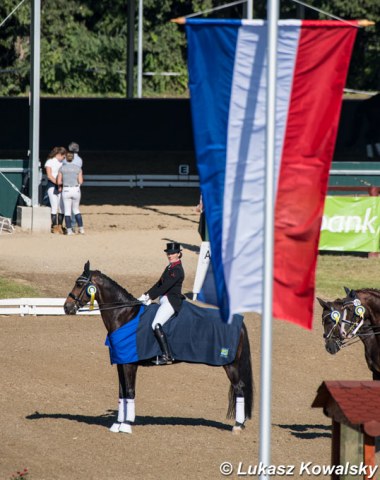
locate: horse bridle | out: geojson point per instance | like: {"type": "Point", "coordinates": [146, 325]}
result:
{"type": "Point", "coordinates": [358, 317]}
{"type": "Point", "coordinates": [88, 287]}
{"type": "Point", "coordinates": [335, 316]}
{"type": "Point", "coordinates": [341, 323]}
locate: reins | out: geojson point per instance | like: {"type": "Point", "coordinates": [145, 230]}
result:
{"type": "Point", "coordinates": [90, 289]}
{"type": "Point", "coordinates": [102, 308]}
{"type": "Point", "coordinates": [358, 336]}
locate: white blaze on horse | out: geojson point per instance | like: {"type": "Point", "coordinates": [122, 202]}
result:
{"type": "Point", "coordinates": [128, 326]}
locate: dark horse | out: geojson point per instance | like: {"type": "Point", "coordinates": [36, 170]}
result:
{"type": "Point", "coordinates": [119, 307]}
{"type": "Point", "coordinates": [357, 316]}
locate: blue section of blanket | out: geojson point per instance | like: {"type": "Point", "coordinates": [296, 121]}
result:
{"type": "Point", "coordinates": [122, 342]}
{"type": "Point", "coordinates": [196, 335]}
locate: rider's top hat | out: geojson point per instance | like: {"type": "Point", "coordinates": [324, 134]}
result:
{"type": "Point", "coordinates": [172, 248]}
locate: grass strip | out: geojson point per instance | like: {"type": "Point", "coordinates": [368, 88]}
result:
{"type": "Point", "coordinates": [16, 289]}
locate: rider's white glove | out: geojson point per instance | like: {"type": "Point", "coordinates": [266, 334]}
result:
{"type": "Point", "coordinates": [145, 299]}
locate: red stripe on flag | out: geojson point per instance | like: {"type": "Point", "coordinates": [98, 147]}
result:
{"type": "Point", "coordinates": [320, 73]}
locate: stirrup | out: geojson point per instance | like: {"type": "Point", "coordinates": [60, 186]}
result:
{"type": "Point", "coordinates": [163, 360]}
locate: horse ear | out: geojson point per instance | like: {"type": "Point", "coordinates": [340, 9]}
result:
{"type": "Point", "coordinates": [351, 293]}
{"type": "Point", "coordinates": [347, 290]}
{"type": "Point", "coordinates": [323, 304]}
{"type": "Point", "coordinates": [86, 270]}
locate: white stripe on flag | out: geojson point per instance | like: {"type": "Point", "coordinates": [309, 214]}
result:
{"type": "Point", "coordinates": [243, 209]}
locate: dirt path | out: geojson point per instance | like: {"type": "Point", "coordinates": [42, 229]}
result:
{"type": "Point", "coordinates": [58, 392]}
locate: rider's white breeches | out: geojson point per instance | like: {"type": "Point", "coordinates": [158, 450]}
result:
{"type": "Point", "coordinates": [56, 202]}
{"type": "Point", "coordinates": [164, 312]}
{"type": "Point", "coordinates": [71, 199]}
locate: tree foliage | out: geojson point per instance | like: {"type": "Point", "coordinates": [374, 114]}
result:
{"type": "Point", "coordinates": [84, 44]}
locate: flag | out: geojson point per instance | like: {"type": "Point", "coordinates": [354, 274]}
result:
{"type": "Point", "coordinates": [227, 61]}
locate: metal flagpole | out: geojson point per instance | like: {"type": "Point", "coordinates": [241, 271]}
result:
{"type": "Point", "coordinates": [266, 334]}
{"type": "Point", "coordinates": [140, 51]}
{"type": "Point", "coordinates": [249, 9]}
{"type": "Point", "coordinates": [34, 117]}
{"type": "Point", "coordinates": [131, 7]}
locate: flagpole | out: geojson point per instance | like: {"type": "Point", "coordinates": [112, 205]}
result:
{"type": "Point", "coordinates": [34, 102]}
{"type": "Point", "coordinates": [140, 51]}
{"type": "Point", "coordinates": [266, 333]}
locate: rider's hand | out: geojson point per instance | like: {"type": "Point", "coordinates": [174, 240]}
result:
{"type": "Point", "coordinates": [145, 299]}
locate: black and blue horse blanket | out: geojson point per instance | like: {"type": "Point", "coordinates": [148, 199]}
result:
{"type": "Point", "coordinates": [196, 334]}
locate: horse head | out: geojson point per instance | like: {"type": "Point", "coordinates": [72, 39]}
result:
{"type": "Point", "coordinates": [116, 305]}
{"type": "Point", "coordinates": [332, 316]}
{"type": "Point", "coordinates": [83, 292]}
{"type": "Point", "coordinates": [342, 319]}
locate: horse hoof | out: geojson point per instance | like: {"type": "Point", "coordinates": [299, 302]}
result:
{"type": "Point", "coordinates": [125, 428]}
{"type": "Point", "coordinates": [115, 428]}
{"type": "Point", "coordinates": [236, 430]}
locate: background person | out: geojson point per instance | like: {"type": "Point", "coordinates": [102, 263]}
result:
{"type": "Point", "coordinates": [52, 167]}
{"type": "Point", "coordinates": [70, 177]}
{"type": "Point", "coordinates": [74, 148]}
{"type": "Point", "coordinates": [169, 289]}
{"type": "Point", "coordinates": [202, 226]}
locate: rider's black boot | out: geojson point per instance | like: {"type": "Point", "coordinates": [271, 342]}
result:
{"type": "Point", "coordinates": [166, 357]}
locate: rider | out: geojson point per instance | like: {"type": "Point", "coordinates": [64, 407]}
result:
{"type": "Point", "coordinates": [168, 288]}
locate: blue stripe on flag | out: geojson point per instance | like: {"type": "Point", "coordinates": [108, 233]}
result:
{"type": "Point", "coordinates": [210, 89]}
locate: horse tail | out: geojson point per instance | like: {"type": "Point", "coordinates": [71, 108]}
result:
{"type": "Point", "coordinates": [246, 379]}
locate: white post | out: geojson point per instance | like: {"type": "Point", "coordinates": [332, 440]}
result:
{"type": "Point", "coordinates": [266, 335]}
{"type": "Point", "coordinates": [34, 118]}
{"type": "Point", "coordinates": [140, 51]}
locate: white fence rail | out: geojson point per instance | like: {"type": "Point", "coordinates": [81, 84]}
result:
{"type": "Point", "coordinates": [37, 306]}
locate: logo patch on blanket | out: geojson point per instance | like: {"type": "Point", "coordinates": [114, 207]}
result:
{"type": "Point", "coordinates": [224, 352]}
{"type": "Point", "coordinates": [196, 335]}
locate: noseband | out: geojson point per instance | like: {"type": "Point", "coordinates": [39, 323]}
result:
{"type": "Point", "coordinates": [335, 316]}
{"type": "Point", "coordinates": [89, 288]}
{"type": "Point", "coordinates": [341, 322]}
{"type": "Point", "coordinates": [358, 317]}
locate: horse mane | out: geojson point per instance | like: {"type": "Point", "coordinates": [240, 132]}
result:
{"type": "Point", "coordinates": [372, 291]}
{"type": "Point", "coordinates": [122, 294]}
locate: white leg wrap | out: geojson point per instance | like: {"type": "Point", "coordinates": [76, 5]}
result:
{"type": "Point", "coordinates": [130, 410]}
{"type": "Point", "coordinates": [369, 150]}
{"type": "Point", "coordinates": [125, 428]}
{"type": "Point", "coordinates": [122, 410]}
{"type": "Point", "coordinates": [240, 414]}
{"type": "Point", "coordinates": [115, 428]}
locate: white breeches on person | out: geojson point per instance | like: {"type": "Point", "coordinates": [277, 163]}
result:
{"type": "Point", "coordinates": [164, 312]}
{"type": "Point", "coordinates": [56, 202]}
{"type": "Point", "coordinates": [71, 200]}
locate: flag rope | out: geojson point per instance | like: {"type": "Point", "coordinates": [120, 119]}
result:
{"type": "Point", "coordinates": [328, 14]}
{"type": "Point", "coordinates": [12, 12]}
{"type": "Point", "coordinates": [26, 199]}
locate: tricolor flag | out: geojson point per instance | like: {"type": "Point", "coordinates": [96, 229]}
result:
{"type": "Point", "coordinates": [227, 70]}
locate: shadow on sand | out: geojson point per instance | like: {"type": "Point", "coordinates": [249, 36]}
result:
{"type": "Point", "coordinates": [308, 432]}
{"type": "Point", "coordinates": [108, 418]}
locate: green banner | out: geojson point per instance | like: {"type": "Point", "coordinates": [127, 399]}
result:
{"type": "Point", "coordinates": [351, 224]}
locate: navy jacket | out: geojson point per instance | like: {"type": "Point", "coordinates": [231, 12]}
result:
{"type": "Point", "coordinates": [170, 284]}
